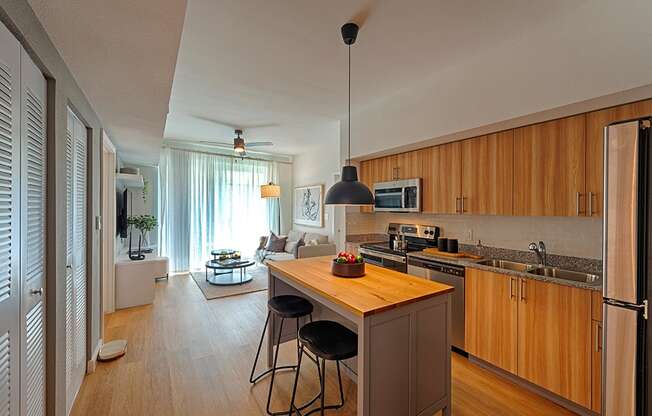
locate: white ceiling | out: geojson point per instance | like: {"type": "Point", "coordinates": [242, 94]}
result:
{"type": "Point", "coordinates": [277, 69]}
{"type": "Point", "coordinates": [283, 65]}
{"type": "Point", "coordinates": [122, 54]}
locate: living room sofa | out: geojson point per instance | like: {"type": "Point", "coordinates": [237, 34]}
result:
{"type": "Point", "coordinates": [299, 245]}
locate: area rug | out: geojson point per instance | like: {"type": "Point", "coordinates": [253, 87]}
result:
{"type": "Point", "coordinates": [259, 282]}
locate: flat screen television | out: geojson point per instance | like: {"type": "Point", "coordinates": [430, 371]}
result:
{"type": "Point", "coordinates": [122, 227]}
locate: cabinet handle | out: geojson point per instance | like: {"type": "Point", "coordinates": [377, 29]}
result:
{"type": "Point", "coordinates": [589, 211]}
{"type": "Point", "coordinates": [598, 338]}
{"type": "Point", "coordinates": [523, 283]}
{"type": "Point", "coordinates": [578, 196]}
{"type": "Point", "coordinates": [462, 210]}
{"type": "Point", "coordinates": [457, 205]}
{"type": "Point", "coordinates": [511, 288]}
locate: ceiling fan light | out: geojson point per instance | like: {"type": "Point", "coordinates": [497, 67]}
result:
{"type": "Point", "coordinates": [238, 145]}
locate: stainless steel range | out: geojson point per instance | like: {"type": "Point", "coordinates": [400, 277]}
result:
{"type": "Point", "coordinates": [403, 238]}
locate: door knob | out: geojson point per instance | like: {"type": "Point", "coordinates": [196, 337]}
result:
{"type": "Point", "coordinates": [38, 291]}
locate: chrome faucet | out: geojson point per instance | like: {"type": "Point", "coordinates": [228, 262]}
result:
{"type": "Point", "coordinates": [540, 251]}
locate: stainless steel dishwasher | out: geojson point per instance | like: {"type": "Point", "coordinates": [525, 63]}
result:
{"type": "Point", "coordinates": [449, 274]}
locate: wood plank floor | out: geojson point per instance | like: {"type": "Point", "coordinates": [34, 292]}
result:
{"type": "Point", "coordinates": [190, 356]}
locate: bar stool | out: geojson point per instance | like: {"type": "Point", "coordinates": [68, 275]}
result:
{"type": "Point", "coordinates": [285, 307]}
{"type": "Point", "coordinates": [331, 341]}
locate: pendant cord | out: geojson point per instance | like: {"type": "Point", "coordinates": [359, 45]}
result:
{"type": "Point", "coordinates": [349, 159]}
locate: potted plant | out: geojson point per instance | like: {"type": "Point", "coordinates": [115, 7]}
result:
{"type": "Point", "coordinates": [145, 224]}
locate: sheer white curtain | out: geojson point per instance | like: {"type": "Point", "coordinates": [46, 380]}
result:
{"type": "Point", "coordinates": [209, 202]}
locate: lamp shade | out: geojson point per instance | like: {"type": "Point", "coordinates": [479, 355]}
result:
{"type": "Point", "coordinates": [349, 191]}
{"type": "Point", "coordinates": [270, 191]}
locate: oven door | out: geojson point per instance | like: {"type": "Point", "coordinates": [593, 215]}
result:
{"type": "Point", "coordinates": [389, 199]}
{"type": "Point", "coordinates": [386, 260]}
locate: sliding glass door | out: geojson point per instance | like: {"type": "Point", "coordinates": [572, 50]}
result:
{"type": "Point", "coordinates": [209, 201]}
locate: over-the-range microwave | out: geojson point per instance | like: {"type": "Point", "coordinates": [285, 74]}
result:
{"type": "Point", "coordinates": [398, 196]}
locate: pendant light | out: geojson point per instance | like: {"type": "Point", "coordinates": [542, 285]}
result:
{"type": "Point", "coordinates": [349, 191]}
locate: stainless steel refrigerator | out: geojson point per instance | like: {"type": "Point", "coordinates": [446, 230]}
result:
{"type": "Point", "coordinates": [627, 256]}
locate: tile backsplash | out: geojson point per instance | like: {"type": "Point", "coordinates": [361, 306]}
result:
{"type": "Point", "coordinates": [567, 236]}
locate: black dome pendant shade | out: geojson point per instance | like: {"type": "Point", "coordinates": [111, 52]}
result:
{"type": "Point", "coordinates": [349, 191]}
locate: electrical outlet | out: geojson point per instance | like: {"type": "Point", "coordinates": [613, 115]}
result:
{"type": "Point", "coordinates": [469, 234]}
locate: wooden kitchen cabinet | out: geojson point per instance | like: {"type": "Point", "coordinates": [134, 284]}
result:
{"type": "Point", "coordinates": [372, 171]}
{"type": "Point", "coordinates": [408, 165]}
{"type": "Point", "coordinates": [554, 338]}
{"type": "Point", "coordinates": [488, 174]}
{"type": "Point", "coordinates": [490, 310]}
{"type": "Point", "coordinates": [595, 124]}
{"type": "Point", "coordinates": [446, 173]}
{"type": "Point", "coordinates": [596, 353]}
{"type": "Point", "coordinates": [549, 168]}
{"type": "Point", "coordinates": [365, 175]}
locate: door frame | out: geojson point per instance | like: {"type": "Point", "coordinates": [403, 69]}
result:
{"type": "Point", "coordinates": [107, 288]}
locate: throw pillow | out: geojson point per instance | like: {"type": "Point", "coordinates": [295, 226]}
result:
{"type": "Point", "coordinates": [291, 246]}
{"type": "Point", "coordinates": [262, 243]}
{"type": "Point", "coordinates": [312, 243]}
{"type": "Point", "coordinates": [275, 243]}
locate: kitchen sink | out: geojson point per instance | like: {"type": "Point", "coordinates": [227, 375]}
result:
{"type": "Point", "coordinates": [566, 274]}
{"type": "Point", "coordinates": [508, 265]}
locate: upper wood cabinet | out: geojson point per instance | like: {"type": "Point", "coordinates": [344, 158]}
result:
{"type": "Point", "coordinates": [446, 178]}
{"type": "Point", "coordinates": [596, 121]}
{"type": "Point", "coordinates": [408, 165]}
{"type": "Point", "coordinates": [488, 174]}
{"type": "Point", "coordinates": [366, 177]}
{"type": "Point", "coordinates": [490, 313]}
{"type": "Point", "coordinates": [554, 338]}
{"type": "Point", "coordinates": [549, 168]}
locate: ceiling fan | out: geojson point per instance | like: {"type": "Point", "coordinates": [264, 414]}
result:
{"type": "Point", "coordinates": [239, 146]}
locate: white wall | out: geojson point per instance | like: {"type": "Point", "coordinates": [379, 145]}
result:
{"type": "Point", "coordinates": [546, 67]}
{"type": "Point", "coordinates": [568, 236]}
{"type": "Point", "coordinates": [318, 166]}
{"type": "Point", "coordinates": [285, 181]}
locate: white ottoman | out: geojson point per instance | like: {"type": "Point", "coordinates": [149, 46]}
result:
{"type": "Point", "coordinates": [134, 280]}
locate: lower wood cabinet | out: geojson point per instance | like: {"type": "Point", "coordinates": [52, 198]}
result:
{"type": "Point", "coordinates": [596, 352]}
{"type": "Point", "coordinates": [554, 338]}
{"type": "Point", "coordinates": [490, 312]}
{"type": "Point", "coordinates": [540, 331]}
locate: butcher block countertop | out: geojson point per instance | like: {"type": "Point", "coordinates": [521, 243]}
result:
{"type": "Point", "coordinates": [378, 290]}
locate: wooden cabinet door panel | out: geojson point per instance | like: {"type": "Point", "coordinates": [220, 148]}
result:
{"type": "Point", "coordinates": [425, 159]}
{"type": "Point", "coordinates": [549, 170]}
{"type": "Point", "coordinates": [446, 171]}
{"type": "Point", "coordinates": [384, 169]}
{"type": "Point", "coordinates": [554, 338]}
{"type": "Point", "coordinates": [491, 318]}
{"type": "Point", "coordinates": [366, 177]}
{"type": "Point", "coordinates": [596, 366]}
{"type": "Point", "coordinates": [595, 124]}
{"type": "Point", "coordinates": [488, 174]}
{"type": "Point", "coordinates": [409, 165]}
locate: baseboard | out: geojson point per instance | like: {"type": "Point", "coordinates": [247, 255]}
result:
{"type": "Point", "coordinates": [572, 406]}
{"type": "Point", "coordinates": [91, 365]}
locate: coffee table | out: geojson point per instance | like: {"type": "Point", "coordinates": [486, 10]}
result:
{"type": "Point", "coordinates": [224, 271]}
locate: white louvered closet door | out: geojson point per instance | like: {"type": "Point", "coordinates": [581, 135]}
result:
{"type": "Point", "coordinates": [76, 211]}
{"type": "Point", "coordinates": [33, 197]}
{"type": "Point", "coordinates": [9, 224]}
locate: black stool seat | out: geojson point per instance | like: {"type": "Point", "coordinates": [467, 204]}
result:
{"type": "Point", "coordinates": [289, 306]}
{"type": "Point", "coordinates": [329, 340]}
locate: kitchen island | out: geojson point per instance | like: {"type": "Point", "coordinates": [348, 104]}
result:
{"type": "Point", "coordinates": [403, 326]}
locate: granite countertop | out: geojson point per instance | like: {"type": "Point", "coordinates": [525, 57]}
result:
{"type": "Point", "coordinates": [474, 264]}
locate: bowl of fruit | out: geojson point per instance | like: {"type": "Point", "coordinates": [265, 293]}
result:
{"type": "Point", "coordinates": [348, 265]}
